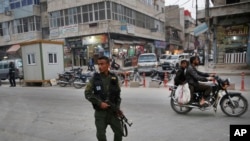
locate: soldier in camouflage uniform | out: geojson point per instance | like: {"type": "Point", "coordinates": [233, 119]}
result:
{"type": "Point", "coordinates": [103, 91]}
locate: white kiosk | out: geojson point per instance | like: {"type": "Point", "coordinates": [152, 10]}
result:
{"type": "Point", "coordinates": [42, 60]}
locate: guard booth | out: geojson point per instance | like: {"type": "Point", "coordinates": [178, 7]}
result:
{"type": "Point", "coordinates": [42, 60]}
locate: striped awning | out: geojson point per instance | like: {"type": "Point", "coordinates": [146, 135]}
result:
{"type": "Point", "coordinates": [13, 49]}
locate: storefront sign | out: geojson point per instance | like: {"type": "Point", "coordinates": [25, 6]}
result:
{"type": "Point", "coordinates": [160, 44]}
{"type": "Point", "coordinates": [68, 29]}
{"type": "Point", "coordinates": [98, 39]}
{"type": "Point", "coordinates": [53, 32]}
{"type": "Point", "coordinates": [130, 29]}
{"type": "Point", "coordinates": [236, 30]}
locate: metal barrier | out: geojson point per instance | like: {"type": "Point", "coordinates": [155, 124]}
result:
{"type": "Point", "coordinates": [235, 58]}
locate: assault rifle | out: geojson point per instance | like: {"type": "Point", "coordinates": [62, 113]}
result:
{"type": "Point", "coordinates": [120, 113]}
{"type": "Point", "coordinates": [122, 118]}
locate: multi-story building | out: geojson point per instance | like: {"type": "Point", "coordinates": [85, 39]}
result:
{"type": "Point", "coordinates": [174, 29]}
{"type": "Point", "coordinates": [229, 23]}
{"type": "Point", "coordinates": [20, 20]}
{"type": "Point", "coordinates": [180, 32]}
{"type": "Point", "coordinates": [189, 24]}
{"type": "Point", "coordinates": [89, 28]}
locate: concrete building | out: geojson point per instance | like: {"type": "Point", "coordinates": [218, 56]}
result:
{"type": "Point", "coordinates": [174, 29]}
{"type": "Point", "coordinates": [89, 28]}
{"type": "Point", "coordinates": [229, 23]}
{"type": "Point", "coordinates": [19, 21]}
{"type": "Point", "coordinates": [180, 32]}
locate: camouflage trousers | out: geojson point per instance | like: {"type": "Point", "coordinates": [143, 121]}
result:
{"type": "Point", "coordinates": [103, 118]}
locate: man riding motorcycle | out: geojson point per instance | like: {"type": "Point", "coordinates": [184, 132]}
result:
{"type": "Point", "coordinates": [193, 76]}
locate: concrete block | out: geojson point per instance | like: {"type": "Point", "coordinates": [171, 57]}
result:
{"type": "Point", "coordinates": [53, 82]}
{"type": "Point", "coordinates": [154, 84]}
{"type": "Point", "coordinates": [134, 84]}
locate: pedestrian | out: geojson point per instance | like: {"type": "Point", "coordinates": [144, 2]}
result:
{"type": "Point", "coordinates": [103, 91]}
{"type": "Point", "coordinates": [12, 72]}
{"type": "Point", "coordinates": [137, 74]}
{"type": "Point", "coordinates": [92, 64]}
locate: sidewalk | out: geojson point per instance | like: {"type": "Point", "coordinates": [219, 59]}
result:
{"type": "Point", "coordinates": [224, 71]}
{"type": "Point", "coordinates": [220, 71]}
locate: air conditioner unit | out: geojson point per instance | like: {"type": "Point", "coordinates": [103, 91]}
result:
{"type": "Point", "coordinates": [8, 13]}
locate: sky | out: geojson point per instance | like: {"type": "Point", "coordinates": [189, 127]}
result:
{"type": "Point", "coordinates": [188, 5]}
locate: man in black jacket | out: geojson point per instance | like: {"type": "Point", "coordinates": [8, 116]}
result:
{"type": "Point", "coordinates": [193, 76]}
{"type": "Point", "coordinates": [12, 77]}
{"type": "Point", "coordinates": [180, 77]}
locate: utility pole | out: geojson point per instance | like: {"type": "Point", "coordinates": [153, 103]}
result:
{"type": "Point", "coordinates": [196, 43]}
{"type": "Point", "coordinates": [207, 42]}
{"type": "Point", "coordinates": [196, 10]}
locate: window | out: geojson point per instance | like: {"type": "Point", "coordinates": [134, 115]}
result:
{"type": "Point", "coordinates": [32, 24]}
{"type": "Point", "coordinates": [38, 22]}
{"type": "Point", "coordinates": [102, 15]}
{"type": "Point", "coordinates": [52, 58]}
{"type": "Point", "coordinates": [79, 15]}
{"type": "Point", "coordinates": [19, 25]}
{"type": "Point", "coordinates": [70, 16]}
{"type": "Point", "coordinates": [37, 2]}
{"type": "Point", "coordinates": [6, 65]}
{"type": "Point", "coordinates": [108, 10]}
{"type": "Point", "coordinates": [57, 19]}
{"type": "Point", "coordinates": [15, 4]}
{"type": "Point", "coordinates": [85, 14]}
{"type": "Point", "coordinates": [232, 1]}
{"type": "Point", "coordinates": [20, 3]}
{"type": "Point", "coordinates": [99, 10]}
{"type": "Point", "coordinates": [26, 24]}
{"type": "Point", "coordinates": [31, 59]}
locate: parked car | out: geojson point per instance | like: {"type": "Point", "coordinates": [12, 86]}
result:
{"type": "Point", "coordinates": [147, 62]}
{"type": "Point", "coordinates": [167, 66]}
{"type": "Point", "coordinates": [176, 59]}
{"type": "Point", "coordinates": [163, 58]}
{"type": "Point", "coordinates": [4, 68]}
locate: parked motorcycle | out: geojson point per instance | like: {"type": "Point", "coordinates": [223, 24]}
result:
{"type": "Point", "coordinates": [82, 79]}
{"type": "Point", "coordinates": [68, 77]}
{"type": "Point", "coordinates": [232, 104]}
{"type": "Point", "coordinates": [159, 76]}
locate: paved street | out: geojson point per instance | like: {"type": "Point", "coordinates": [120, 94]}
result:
{"type": "Point", "coordinates": [63, 114]}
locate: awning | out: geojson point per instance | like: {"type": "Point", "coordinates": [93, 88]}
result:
{"type": "Point", "coordinates": [13, 49]}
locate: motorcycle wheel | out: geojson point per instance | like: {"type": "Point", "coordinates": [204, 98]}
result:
{"type": "Point", "coordinates": [240, 102]}
{"type": "Point", "coordinates": [63, 80]}
{"type": "Point", "coordinates": [178, 108]}
{"type": "Point", "coordinates": [77, 85]}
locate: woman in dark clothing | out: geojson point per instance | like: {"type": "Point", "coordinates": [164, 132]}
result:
{"type": "Point", "coordinates": [12, 77]}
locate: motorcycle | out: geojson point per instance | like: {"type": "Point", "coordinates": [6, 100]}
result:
{"type": "Point", "coordinates": [232, 104]}
{"type": "Point", "coordinates": [68, 77]}
{"type": "Point", "coordinates": [159, 76]}
{"type": "Point", "coordinates": [82, 79]}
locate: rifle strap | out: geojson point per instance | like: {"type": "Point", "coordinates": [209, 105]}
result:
{"type": "Point", "coordinates": [124, 128]}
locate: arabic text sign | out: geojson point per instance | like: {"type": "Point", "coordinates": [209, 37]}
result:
{"type": "Point", "coordinates": [200, 29]}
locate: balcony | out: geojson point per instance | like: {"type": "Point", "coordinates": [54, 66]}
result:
{"type": "Point", "coordinates": [230, 9]}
